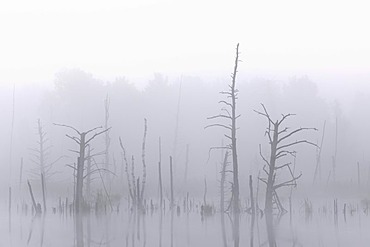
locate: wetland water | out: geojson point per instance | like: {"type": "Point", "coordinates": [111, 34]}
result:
{"type": "Point", "coordinates": [307, 226]}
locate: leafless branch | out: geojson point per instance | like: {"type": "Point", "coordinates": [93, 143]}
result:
{"type": "Point", "coordinates": [218, 125]}
{"type": "Point", "coordinates": [263, 157]}
{"type": "Point", "coordinates": [288, 183]}
{"type": "Point", "coordinates": [68, 126]}
{"type": "Point", "coordinates": [96, 134]}
{"type": "Point", "coordinates": [295, 143]}
{"type": "Point", "coordinates": [294, 132]}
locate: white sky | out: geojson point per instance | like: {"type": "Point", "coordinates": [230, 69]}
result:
{"type": "Point", "coordinates": [137, 38]}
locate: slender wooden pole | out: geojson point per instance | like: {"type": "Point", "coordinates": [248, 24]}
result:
{"type": "Point", "coordinates": [160, 176]}
{"type": "Point", "coordinates": [43, 191]}
{"type": "Point", "coordinates": [171, 176]}
{"type": "Point", "coordinates": [33, 198]}
{"type": "Point", "coordinates": [358, 174]}
{"type": "Point", "coordinates": [252, 197]}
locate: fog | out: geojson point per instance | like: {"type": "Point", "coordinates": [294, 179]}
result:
{"type": "Point", "coordinates": [184, 124]}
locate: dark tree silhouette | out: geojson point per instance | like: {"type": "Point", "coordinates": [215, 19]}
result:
{"type": "Point", "coordinates": [136, 193]}
{"type": "Point", "coordinates": [280, 147]}
{"type": "Point", "coordinates": [83, 141]}
{"type": "Point", "coordinates": [229, 113]}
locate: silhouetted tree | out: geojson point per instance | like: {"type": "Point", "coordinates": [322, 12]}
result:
{"type": "Point", "coordinates": [280, 147]}
{"type": "Point", "coordinates": [136, 193]}
{"type": "Point", "coordinates": [40, 155]}
{"type": "Point", "coordinates": [229, 113]}
{"type": "Point", "coordinates": [83, 141]}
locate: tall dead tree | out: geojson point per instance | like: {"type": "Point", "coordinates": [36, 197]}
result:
{"type": "Point", "coordinates": [334, 157]}
{"type": "Point", "coordinates": [160, 175]}
{"type": "Point", "coordinates": [222, 197]}
{"type": "Point", "coordinates": [175, 140]}
{"type": "Point", "coordinates": [107, 137]}
{"type": "Point", "coordinates": [280, 147]}
{"type": "Point", "coordinates": [143, 162]}
{"type": "Point", "coordinates": [136, 193]}
{"type": "Point", "coordinates": [40, 157]}
{"type": "Point", "coordinates": [83, 141]}
{"type": "Point", "coordinates": [229, 114]}
{"type": "Point", "coordinates": [318, 156]}
{"type": "Point", "coordinates": [186, 164]}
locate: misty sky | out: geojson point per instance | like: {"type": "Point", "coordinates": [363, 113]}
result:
{"type": "Point", "coordinates": [137, 38]}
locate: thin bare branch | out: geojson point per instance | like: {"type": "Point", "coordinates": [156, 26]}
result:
{"type": "Point", "coordinates": [68, 126]}
{"type": "Point", "coordinates": [219, 116]}
{"type": "Point", "coordinates": [285, 117]}
{"type": "Point", "coordinates": [218, 125]}
{"type": "Point", "coordinates": [294, 132]}
{"type": "Point", "coordinates": [74, 139]}
{"type": "Point", "coordinates": [96, 134]}
{"type": "Point", "coordinates": [288, 183]}
{"type": "Point", "coordinates": [295, 143]}
{"type": "Point", "coordinates": [263, 157]}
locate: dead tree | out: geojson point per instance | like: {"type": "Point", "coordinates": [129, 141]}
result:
{"type": "Point", "coordinates": [222, 197]}
{"type": "Point", "coordinates": [229, 114]}
{"type": "Point", "coordinates": [334, 157]}
{"type": "Point", "coordinates": [130, 182]}
{"type": "Point", "coordinates": [88, 173]}
{"type": "Point", "coordinates": [136, 193]}
{"type": "Point", "coordinates": [36, 208]}
{"type": "Point", "coordinates": [40, 157]}
{"type": "Point", "coordinates": [144, 163]}
{"type": "Point", "coordinates": [318, 156]}
{"type": "Point", "coordinates": [280, 147]}
{"type": "Point", "coordinates": [160, 175]}
{"type": "Point", "coordinates": [107, 137]}
{"type": "Point", "coordinates": [186, 164]}
{"type": "Point", "coordinates": [171, 185]}
{"type": "Point", "coordinates": [83, 141]}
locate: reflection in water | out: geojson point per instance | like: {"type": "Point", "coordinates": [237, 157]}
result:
{"type": "Point", "coordinates": [270, 230]}
{"type": "Point", "coordinates": [160, 227]}
{"type": "Point", "coordinates": [223, 229]}
{"type": "Point", "coordinates": [236, 229]}
{"type": "Point", "coordinates": [172, 213]}
{"type": "Point", "coordinates": [79, 230]}
{"type": "Point", "coordinates": [131, 229]}
{"type": "Point", "coordinates": [42, 230]}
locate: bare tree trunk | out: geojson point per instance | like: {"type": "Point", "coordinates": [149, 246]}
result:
{"type": "Point", "coordinates": [33, 198]}
{"type": "Point", "coordinates": [139, 202]}
{"type": "Point", "coordinates": [171, 179]}
{"type": "Point", "coordinates": [358, 174]}
{"type": "Point", "coordinates": [174, 151]}
{"type": "Point", "coordinates": [10, 201]}
{"type": "Point", "coordinates": [88, 174]}
{"type": "Point", "coordinates": [334, 158]}
{"type": "Point", "coordinates": [80, 171]}
{"type": "Point", "coordinates": [205, 192]}
{"type": "Point", "coordinates": [107, 141]}
{"type": "Point", "coordinates": [222, 199]}
{"type": "Point", "coordinates": [186, 164]}
{"type": "Point", "coordinates": [318, 157]}
{"type": "Point", "coordinates": [20, 176]}
{"type": "Point", "coordinates": [160, 176]}
{"type": "Point", "coordinates": [233, 135]}
{"type": "Point", "coordinates": [143, 162]}
{"type": "Point", "coordinates": [253, 209]}
{"type": "Point", "coordinates": [43, 191]}
{"type": "Point", "coordinates": [11, 138]}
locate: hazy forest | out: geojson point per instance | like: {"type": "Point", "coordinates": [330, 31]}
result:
{"type": "Point", "coordinates": [246, 162]}
{"type": "Point", "coordinates": [191, 123]}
